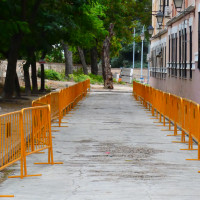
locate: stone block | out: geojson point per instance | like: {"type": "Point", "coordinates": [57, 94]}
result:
{"type": "Point", "coordinates": [127, 79]}
{"type": "Point", "coordinates": [127, 72]}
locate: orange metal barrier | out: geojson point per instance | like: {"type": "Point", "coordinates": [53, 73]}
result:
{"type": "Point", "coordinates": [8, 196]}
{"type": "Point", "coordinates": [61, 102]}
{"type": "Point", "coordinates": [29, 131]}
{"type": "Point", "coordinates": [23, 133]}
{"type": "Point", "coordinates": [10, 139]}
{"type": "Point", "coordinates": [185, 118]}
{"type": "Point", "coordinates": [182, 114]}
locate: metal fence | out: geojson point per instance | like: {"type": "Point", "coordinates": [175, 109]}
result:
{"type": "Point", "coordinates": [179, 113]}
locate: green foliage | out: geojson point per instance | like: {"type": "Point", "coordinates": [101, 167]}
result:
{"type": "Point", "coordinates": [125, 15]}
{"type": "Point", "coordinates": [95, 79]}
{"type": "Point", "coordinates": [135, 80]}
{"type": "Point", "coordinates": [122, 83]}
{"type": "Point", "coordinates": [78, 76]}
{"type": "Point", "coordinates": [51, 75]}
{"type": "Point", "coordinates": [125, 58]}
{"type": "Point", "coordinates": [55, 55]}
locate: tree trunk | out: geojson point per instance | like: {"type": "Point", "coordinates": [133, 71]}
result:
{"type": "Point", "coordinates": [42, 88]}
{"type": "Point", "coordinates": [34, 74]}
{"type": "Point", "coordinates": [94, 57]}
{"type": "Point", "coordinates": [106, 68]}
{"type": "Point", "coordinates": [82, 57]}
{"type": "Point", "coordinates": [68, 60]}
{"type": "Point", "coordinates": [27, 78]}
{"type": "Point", "coordinates": [17, 87]}
{"type": "Point", "coordinates": [11, 67]}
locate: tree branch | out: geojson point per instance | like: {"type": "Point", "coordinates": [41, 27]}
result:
{"type": "Point", "coordinates": [34, 11]}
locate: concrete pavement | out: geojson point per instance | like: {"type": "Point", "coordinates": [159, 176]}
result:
{"type": "Point", "coordinates": [111, 150]}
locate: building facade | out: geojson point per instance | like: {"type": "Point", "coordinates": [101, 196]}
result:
{"type": "Point", "coordinates": [175, 49]}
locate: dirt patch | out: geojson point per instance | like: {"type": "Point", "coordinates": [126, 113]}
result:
{"type": "Point", "coordinates": [119, 151]}
{"type": "Point", "coordinates": [7, 106]}
{"type": "Point", "coordinates": [4, 174]}
{"type": "Point", "coordinates": [128, 162]}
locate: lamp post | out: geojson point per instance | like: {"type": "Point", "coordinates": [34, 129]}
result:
{"type": "Point", "coordinates": [178, 4]}
{"type": "Point", "coordinates": [134, 49]}
{"type": "Point", "coordinates": [142, 38]}
{"type": "Point", "coordinates": [150, 30]}
{"type": "Point", "coordinates": [160, 17]}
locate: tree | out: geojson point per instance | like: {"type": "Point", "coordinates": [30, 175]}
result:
{"type": "Point", "coordinates": [106, 68]}
{"type": "Point", "coordinates": [68, 60]}
{"type": "Point", "coordinates": [86, 26]}
{"type": "Point", "coordinates": [82, 57]}
{"type": "Point", "coordinates": [94, 59]}
{"type": "Point", "coordinates": [16, 17]}
{"type": "Point", "coordinates": [120, 15]}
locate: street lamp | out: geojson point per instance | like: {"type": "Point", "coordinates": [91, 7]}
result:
{"type": "Point", "coordinates": [142, 38]}
{"type": "Point", "coordinates": [178, 4]}
{"type": "Point", "coordinates": [134, 49]}
{"type": "Point", "coordinates": [150, 30]}
{"type": "Point", "coordinates": [159, 17]}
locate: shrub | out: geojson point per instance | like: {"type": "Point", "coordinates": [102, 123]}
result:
{"type": "Point", "coordinates": [95, 79]}
{"type": "Point", "coordinates": [51, 75]}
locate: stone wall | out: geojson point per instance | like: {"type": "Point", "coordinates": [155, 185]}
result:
{"type": "Point", "coordinates": [60, 67]}
{"type": "Point", "coordinates": [3, 68]}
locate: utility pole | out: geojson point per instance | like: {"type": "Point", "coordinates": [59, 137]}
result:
{"type": "Point", "coordinates": [134, 49]}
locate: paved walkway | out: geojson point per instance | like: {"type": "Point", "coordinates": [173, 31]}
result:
{"type": "Point", "coordinates": [111, 150]}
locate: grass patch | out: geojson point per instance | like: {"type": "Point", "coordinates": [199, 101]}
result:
{"type": "Point", "coordinates": [122, 83]}
{"type": "Point", "coordinates": [79, 76]}
{"type": "Point", "coordinates": [52, 75]}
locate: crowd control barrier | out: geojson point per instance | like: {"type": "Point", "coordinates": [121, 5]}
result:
{"type": "Point", "coordinates": [179, 113]}
{"type": "Point", "coordinates": [23, 133]}
{"type": "Point", "coordinates": [63, 101]}
{"type": "Point", "coordinates": [28, 131]}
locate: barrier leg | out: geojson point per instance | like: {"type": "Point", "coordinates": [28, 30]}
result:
{"type": "Point", "coordinates": [169, 129]}
{"type": "Point", "coordinates": [50, 159]}
{"type": "Point", "coordinates": [23, 154]}
{"type": "Point", "coordinates": [175, 131]}
{"type": "Point", "coordinates": [164, 121]}
{"type": "Point", "coordinates": [50, 149]}
{"type": "Point", "coordinates": [160, 119]}
{"type": "Point", "coordinates": [6, 196]}
{"type": "Point", "coordinates": [198, 157]}
{"type": "Point", "coordinates": [190, 144]}
{"type": "Point", "coordinates": [182, 138]}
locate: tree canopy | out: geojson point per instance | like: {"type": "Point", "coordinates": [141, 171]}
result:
{"type": "Point", "coordinates": [36, 28]}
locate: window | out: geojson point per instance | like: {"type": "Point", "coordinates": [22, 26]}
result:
{"type": "Point", "coordinates": [183, 53]}
{"type": "Point", "coordinates": [199, 42]}
{"type": "Point", "coordinates": [169, 55]}
{"type": "Point", "coordinates": [172, 58]}
{"type": "Point", "coordinates": [165, 56]}
{"type": "Point", "coordinates": [185, 56]}
{"type": "Point", "coordinates": [176, 55]}
{"type": "Point", "coordinates": [165, 64]}
{"type": "Point", "coordinates": [179, 53]}
{"type": "Point", "coordinates": [190, 52]}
